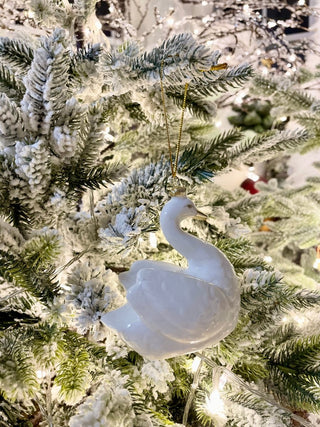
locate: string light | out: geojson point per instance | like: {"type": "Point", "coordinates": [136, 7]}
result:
{"type": "Point", "coordinates": [98, 24]}
{"type": "Point", "coordinates": [239, 98]}
{"type": "Point", "coordinates": [170, 22]}
{"type": "Point", "coordinates": [265, 71]}
{"type": "Point", "coordinates": [153, 240]}
{"type": "Point", "coordinates": [195, 364]}
{"type": "Point", "coordinates": [204, 3]}
{"type": "Point", "coordinates": [283, 118]}
{"type": "Point", "coordinates": [252, 175]}
{"type": "Point", "coordinates": [218, 123]}
{"type": "Point", "coordinates": [107, 134]}
{"type": "Point", "coordinates": [271, 24]}
{"type": "Point", "coordinates": [205, 19]}
{"type": "Point", "coordinates": [41, 374]}
{"type": "Point", "coordinates": [267, 258]}
{"type": "Point", "coordinates": [316, 264]}
{"type": "Point", "coordinates": [214, 402]}
{"type": "Point", "coordinates": [246, 9]}
{"type": "Point", "coordinates": [301, 2]}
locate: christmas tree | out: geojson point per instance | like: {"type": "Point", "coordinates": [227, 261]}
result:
{"type": "Point", "coordinates": [85, 172]}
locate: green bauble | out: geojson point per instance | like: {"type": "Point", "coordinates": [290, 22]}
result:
{"type": "Point", "coordinates": [252, 119]}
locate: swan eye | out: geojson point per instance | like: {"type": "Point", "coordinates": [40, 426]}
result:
{"type": "Point", "coordinates": [189, 206]}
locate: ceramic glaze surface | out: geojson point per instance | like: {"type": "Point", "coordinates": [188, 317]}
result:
{"type": "Point", "coordinates": [172, 311]}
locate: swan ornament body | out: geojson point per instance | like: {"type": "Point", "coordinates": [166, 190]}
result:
{"type": "Point", "coordinates": [172, 311]}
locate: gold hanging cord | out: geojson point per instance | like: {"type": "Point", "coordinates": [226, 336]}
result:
{"type": "Point", "coordinates": [173, 165]}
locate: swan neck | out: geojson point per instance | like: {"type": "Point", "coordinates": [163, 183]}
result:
{"type": "Point", "coordinates": [183, 242]}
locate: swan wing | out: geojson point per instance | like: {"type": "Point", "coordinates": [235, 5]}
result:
{"type": "Point", "coordinates": [128, 278]}
{"type": "Point", "coordinates": [181, 307]}
{"type": "Point", "coordinates": [147, 342]}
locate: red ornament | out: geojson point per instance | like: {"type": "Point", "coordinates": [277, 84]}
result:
{"type": "Point", "coordinates": [248, 185]}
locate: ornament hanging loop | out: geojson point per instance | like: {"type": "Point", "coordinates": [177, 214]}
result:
{"type": "Point", "coordinates": [173, 164]}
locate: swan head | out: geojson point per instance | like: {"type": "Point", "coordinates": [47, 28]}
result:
{"type": "Point", "coordinates": [180, 208]}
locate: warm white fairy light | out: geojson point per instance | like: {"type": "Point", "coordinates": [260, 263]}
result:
{"type": "Point", "coordinates": [272, 24]}
{"type": "Point", "coordinates": [292, 57]}
{"type": "Point", "coordinates": [98, 24]}
{"type": "Point", "coordinates": [265, 71]}
{"type": "Point", "coordinates": [252, 175]}
{"type": "Point", "coordinates": [218, 123]}
{"type": "Point", "coordinates": [267, 258]}
{"type": "Point", "coordinates": [246, 9]}
{"type": "Point", "coordinates": [195, 364]}
{"type": "Point", "coordinates": [316, 264]}
{"type": "Point", "coordinates": [170, 22]}
{"type": "Point", "coordinates": [214, 403]}
{"type": "Point", "coordinates": [258, 51]}
{"type": "Point", "coordinates": [205, 19]}
{"type": "Point", "coordinates": [300, 320]}
{"type": "Point", "coordinates": [283, 118]}
{"type": "Point", "coordinates": [196, 31]}
{"type": "Point", "coordinates": [30, 14]}
{"type": "Point", "coordinates": [153, 240]}
{"type": "Point", "coordinates": [228, 57]}
{"type": "Point", "coordinates": [107, 134]}
{"type": "Point", "coordinates": [239, 98]}
{"type": "Point", "coordinates": [301, 2]}
{"type": "Point", "coordinates": [204, 3]}
{"type": "Point", "coordinates": [41, 374]}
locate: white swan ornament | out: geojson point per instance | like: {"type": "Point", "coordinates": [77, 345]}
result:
{"type": "Point", "coordinates": [170, 310]}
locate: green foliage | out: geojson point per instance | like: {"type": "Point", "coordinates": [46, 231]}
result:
{"type": "Point", "coordinates": [203, 160]}
{"type": "Point", "coordinates": [73, 373]}
{"type": "Point", "coordinates": [83, 62]}
{"type": "Point", "coordinates": [38, 279]}
{"type": "Point", "coordinates": [16, 52]}
{"type": "Point", "coordinates": [293, 99]}
{"type": "Point", "coordinates": [266, 146]}
{"type": "Point", "coordinates": [17, 374]}
{"type": "Point", "coordinates": [10, 84]}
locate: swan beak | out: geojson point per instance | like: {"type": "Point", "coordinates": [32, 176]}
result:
{"type": "Point", "coordinates": [200, 215]}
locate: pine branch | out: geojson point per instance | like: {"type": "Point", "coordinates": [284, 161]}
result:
{"type": "Point", "coordinates": [16, 52]}
{"type": "Point", "coordinates": [15, 319]}
{"type": "Point", "coordinates": [296, 389]}
{"type": "Point", "coordinates": [290, 98]}
{"type": "Point", "coordinates": [263, 147]}
{"type": "Point", "coordinates": [83, 62]}
{"type": "Point", "coordinates": [39, 283]}
{"type": "Point", "coordinates": [183, 59]}
{"type": "Point", "coordinates": [47, 84]}
{"type": "Point", "coordinates": [80, 179]}
{"type": "Point", "coordinates": [216, 82]}
{"type": "Point", "coordinates": [203, 160]}
{"type": "Point", "coordinates": [198, 107]}
{"type": "Point", "coordinates": [11, 125]}
{"type": "Point", "coordinates": [10, 84]}
{"type": "Point", "coordinates": [73, 374]}
{"type": "Point", "coordinates": [19, 379]}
